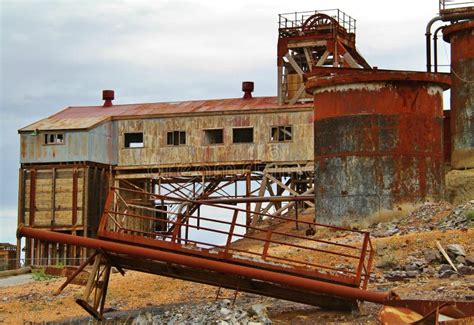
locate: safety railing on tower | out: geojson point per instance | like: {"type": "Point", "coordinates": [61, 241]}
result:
{"type": "Point", "coordinates": [296, 20]}
{"type": "Point", "coordinates": [222, 232]}
{"type": "Point", "coordinates": [453, 6]}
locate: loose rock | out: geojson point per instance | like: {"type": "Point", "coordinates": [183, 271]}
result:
{"type": "Point", "coordinates": [456, 249]}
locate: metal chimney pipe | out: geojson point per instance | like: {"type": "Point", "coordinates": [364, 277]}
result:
{"type": "Point", "coordinates": [247, 88]}
{"type": "Point", "coordinates": [108, 96]}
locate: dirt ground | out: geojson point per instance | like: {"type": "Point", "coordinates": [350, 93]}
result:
{"type": "Point", "coordinates": [35, 302]}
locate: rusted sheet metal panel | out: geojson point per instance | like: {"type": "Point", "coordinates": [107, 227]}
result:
{"type": "Point", "coordinates": [88, 116]}
{"type": "Point", "coordinates": [96, 145]}
{"type": "Point", "coordinates": [427, 312]}
{"type": "Point", "coordinates": [103, 144]}
{"type": "Point", "coordinates": [461, 37]}
{"type": "Point", "coordinates": [378, 144]}
{"type": "Point", "coordinates": [34, 150]}
{"type": "Point", "coordinates": [156, 151]}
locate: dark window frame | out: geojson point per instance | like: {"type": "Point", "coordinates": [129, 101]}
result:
{"type": "Point", "coordinates": [205, 138]}
{"type": "Point", "coordinates": [127, 143]}
{"type": "Point", "coordinates": [281, 133]}
{"type": "Point", "coordinates": [181, 135]}
{"type": "Point", "coordinates": [54, 138]}
{"type": "Point", "coordinates": [242, 128]}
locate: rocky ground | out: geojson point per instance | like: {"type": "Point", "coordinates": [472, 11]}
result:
{"type": "Point", "coordinates": [407, 261]}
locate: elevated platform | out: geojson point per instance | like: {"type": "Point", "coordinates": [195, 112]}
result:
{"type": "Point", "coordinates": [455, 7]}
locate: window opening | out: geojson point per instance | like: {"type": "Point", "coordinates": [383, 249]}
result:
{"type": "Point", "coordinates": [215, 136]}
{"type": "Point", "coordinates": [282, 133]}
{"type": "Point", "coordinates": [176, 138]}
{"type": "Point", "coordinates": [133, 140]}
{"type": "Point", "coordinates": [242, 135]}
{"type": "Point", "coordinates": [54, 138]}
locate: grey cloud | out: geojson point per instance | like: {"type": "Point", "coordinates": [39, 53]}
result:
{"type": "Point", "coordinates": [60, 53]}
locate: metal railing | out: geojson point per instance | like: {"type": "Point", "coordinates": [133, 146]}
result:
{"type": "Point", "coordinates": [219, 237]}
{"type": "Point", "coordinates": [447, 5]}
{"type": "Point", "coordinates": [295, 20]}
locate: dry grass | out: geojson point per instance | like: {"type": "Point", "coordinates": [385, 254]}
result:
{"type": "Point", "coordinates": [383, 216]}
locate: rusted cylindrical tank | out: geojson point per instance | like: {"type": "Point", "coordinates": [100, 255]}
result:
{"type": "Point", "coordinates": [461, 37]}
{"type": "Point", "coordinates": [447, 136]}
{"type": "Point", "coordinates": [378, 142]}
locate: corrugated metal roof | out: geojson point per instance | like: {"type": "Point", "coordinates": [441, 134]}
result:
{"type": "Point", "coordinates": [84, 117]}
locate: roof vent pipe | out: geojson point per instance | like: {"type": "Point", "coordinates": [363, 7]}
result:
{"type": "Point", "coordinates": [247, 88]}
{"type": "Point", "coordinates": [108, 96]}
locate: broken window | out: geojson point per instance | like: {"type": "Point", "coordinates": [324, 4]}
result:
{"type": "Point", "coordinates": [133, 140]}
{"type": "Point", "coordinates": [176, 138]}
{"type": "Point", "coordinates": [281, 133]}
{"type": "Point", "coordinates": [214, 136]}
{"type": "Point", "coordinates": [54, 138]}
{"type": "Point", "coordinates": [242, 135]}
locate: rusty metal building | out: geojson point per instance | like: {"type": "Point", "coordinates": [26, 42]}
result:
{"type": "Point", "coordinates": [69, 159]}
{"type": "Point", "coordinates": [196, 149]}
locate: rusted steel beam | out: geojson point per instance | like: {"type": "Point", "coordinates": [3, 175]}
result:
{"type": "Point", "coordinates": [248, 189]}
{"type": "Point", "coordinates": [267, 244]}
{"type": "Point", "coordinates": [76, 273]}
{"type": "Point", "coordinates": [289, 198]}
{"type": "Point", "coordinates": [236, 282]}
{"type": "Point", "coordinates": [362, 258]}
{"type": "Point", "coordinates": [231, 232]}
{"type": "Point", "coordinates": [74, 197]}
{"type": "Point", "coordinates": [212, 265]}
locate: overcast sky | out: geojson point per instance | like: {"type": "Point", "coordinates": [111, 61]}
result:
{"type": "Point", "coordinates": [55, 54]}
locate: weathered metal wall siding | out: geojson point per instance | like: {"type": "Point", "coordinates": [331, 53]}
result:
{"type": "Point", "coordinates": [102, 144]}
{"type": "Point", "coordinates": [156, 151]}
{"type": "Point", "coordinates": [376, 146]}
{"type": "Point", "coordinates": [96, 145]}
{"type": "Point", "coordinates": [34, 150]}
{"type": "Point", "coordinates": [54, 198]}
{"type": "Point", "coordinates": [461, 37]}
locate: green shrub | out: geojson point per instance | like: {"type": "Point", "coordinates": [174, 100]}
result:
{"type": "Point", "coordinates": [40, 275]}
{"type": "Point", "coordinates": [470, 215]}
{"type": "Point", "coordinates": [388, 260]}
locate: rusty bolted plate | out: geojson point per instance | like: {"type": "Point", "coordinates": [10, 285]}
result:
{"type": "Point", "coordinates": [427, 312]}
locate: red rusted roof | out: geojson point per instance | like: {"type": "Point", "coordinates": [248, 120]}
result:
{"type": "Point", "coordinates": [84, 117]}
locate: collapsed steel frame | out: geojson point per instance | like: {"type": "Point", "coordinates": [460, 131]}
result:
{"type": "Point", "coordinates": [124, 243]}
{"type": "Point", "coordinates": [128, 239]}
